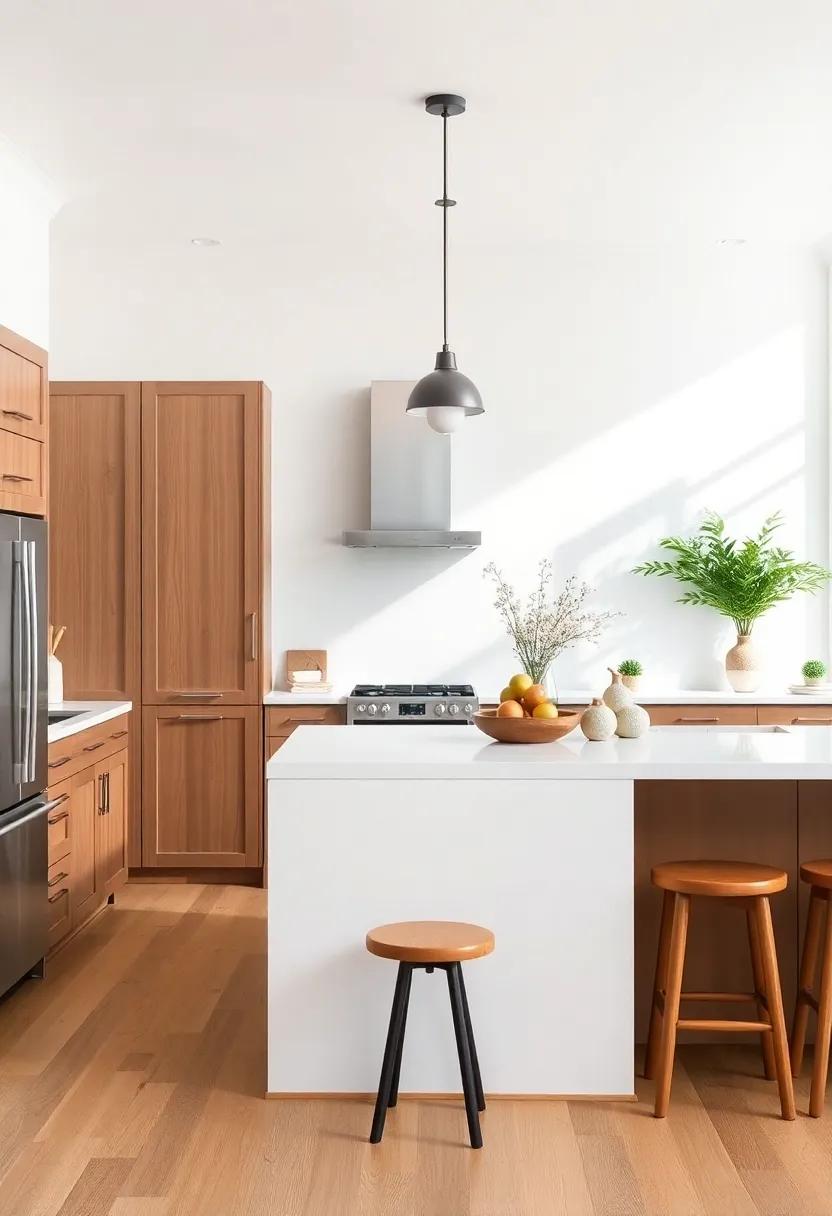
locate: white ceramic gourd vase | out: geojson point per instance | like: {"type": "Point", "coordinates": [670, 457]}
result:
{"type": "Point", "coordinates": [598, 721]}
{"type": "Point", "coordinates": [632, 721]}
{"type": "Point", "coordinates": [616, 696]}
{"type": "Point", "coordinates": [743, 667]}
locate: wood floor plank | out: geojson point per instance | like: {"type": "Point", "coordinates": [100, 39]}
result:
{"type": "Point", "coordinates": [131, 1084]}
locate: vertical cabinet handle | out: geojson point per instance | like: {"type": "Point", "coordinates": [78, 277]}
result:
{"type": "Point", "coordinates": [107, 793]}
{"type": "Point", "coordinates": [253, 639]}
{"type": "Point", "coordinates": [101, 793]}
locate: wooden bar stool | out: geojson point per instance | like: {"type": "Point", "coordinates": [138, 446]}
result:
{"type": "Point", "coordinates": [819, 875]}
{"type": "Point", "coordinates": [432, 945]}
{"type": "Point", "coordinates": [745, 885]}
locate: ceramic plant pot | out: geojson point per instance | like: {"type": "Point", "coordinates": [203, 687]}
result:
{"type": "Point", "coordinates": [631, 682]}
{"type": "Point", "coordinates": [743, 666]}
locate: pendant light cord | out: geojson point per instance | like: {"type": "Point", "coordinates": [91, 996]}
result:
{"type": "Point", "coordinates": [445, 230]}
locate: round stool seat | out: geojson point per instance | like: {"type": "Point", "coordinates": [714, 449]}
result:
{"type": "Point", "coordinates": [818, 873]}
{"type": "Point", "coordinates": [430, 941]}
{"type": "Point", "coordinates": [719, 878]}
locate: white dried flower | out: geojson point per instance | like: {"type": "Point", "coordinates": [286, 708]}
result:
{"type": "Point", "coordinates": [542, 630]}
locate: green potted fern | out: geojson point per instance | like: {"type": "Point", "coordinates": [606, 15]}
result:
{"type": "Point", "coordinates": [742, 581]}
{"type": "Point", "coordinates": [813, 672]}
{"type": "Point", "coordinates": [631, 672]}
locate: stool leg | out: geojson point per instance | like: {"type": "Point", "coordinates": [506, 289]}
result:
{"type": "Point", "coordinates": [765, 934]}
{"type": "Point", "coordinates": [475, 1064]}
{"type": "Point", "coordinates": [394, 1084]}
{"type": "Point", "coordinates": [673, 992]}
{"type": "Point", "coordinates": [394, 1032]}
{"type": "Point", "coordinates": [820, 1066]}
{"type": "Point", "coordinates": [659, 984]}
{"type": "Point", "coordinates": [463, 1048]}
{"type": "Point", "coordinates": [806, 982]}
{"type": "Point", "coordinates": [760, 987]}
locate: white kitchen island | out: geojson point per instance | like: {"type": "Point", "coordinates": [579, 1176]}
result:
{"type": "Point", "coordinates": [368, 825]}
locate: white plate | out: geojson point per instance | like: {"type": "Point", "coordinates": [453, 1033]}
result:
{"type": "Point", "coordinates": [811, 689]}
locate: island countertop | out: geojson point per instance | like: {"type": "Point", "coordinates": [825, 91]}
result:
{"type": "Point", "coordinates": [741, 753]}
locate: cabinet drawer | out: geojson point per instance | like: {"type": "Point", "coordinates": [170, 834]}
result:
{"type": "Point", "coordinates": [69, 756]}
{"type": "Point", "coordinates": [59, 822]}
{"type": "Point", "coordinates": [795, 715]}
{"type": "Point", "coordinates": [22, 470]}
{"type": "Point", "coordinates": [273, 744]}
{"type": "Point", "coordinates": [22, 386]}
{"type": "Point", "coordinates": [282, 719]}
{"type": "Point", "coordinates": [702, 715]}
{"type": "Point", "coordinates": [59, 895]}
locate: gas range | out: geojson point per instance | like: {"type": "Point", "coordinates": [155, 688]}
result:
{"type": "Point", "coordinates": [411, 704]}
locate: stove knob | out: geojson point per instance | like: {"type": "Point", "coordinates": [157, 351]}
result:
{"type": "Point", "coordinates": [385, 709]}
{"type": "Point", "coordinates": [372, 709]}
{"type": "Point", "coordinates": [469, 709]}
{"type": "Point", "coordinates": [439, 709]}
{"type": "Point", "coordinates": [453, 709]}
{"type": "Point", "coordinates": [361, 709]}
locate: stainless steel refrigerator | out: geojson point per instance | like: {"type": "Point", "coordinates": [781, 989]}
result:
{"type": "Point", "coordinates": [24, 808]}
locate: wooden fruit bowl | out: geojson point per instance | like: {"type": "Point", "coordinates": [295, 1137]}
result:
{"type": "Point", "coordinates": [526, 730]}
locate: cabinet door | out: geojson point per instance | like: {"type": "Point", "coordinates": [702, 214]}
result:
{"type": "Point", "coordinates": [202, 784]}
{"type": "Point", "coordinates": [110, 841]}
{"type": "Point", "coordinates": [94, 550]}
{"type": "Point", "coordinates": [23, 381]}
{"type": "Point", "coordinates": [201, 486]}
{"type": "Point", "coordinates": [85, 811]}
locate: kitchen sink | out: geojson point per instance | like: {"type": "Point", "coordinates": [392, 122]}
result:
{"type": "Point", "coordinates": [62, 715]}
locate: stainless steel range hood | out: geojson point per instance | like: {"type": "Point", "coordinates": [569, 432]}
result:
{"type": "Point", "coordinates": [410, 479]}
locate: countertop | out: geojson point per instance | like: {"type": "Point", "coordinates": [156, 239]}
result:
{"type": "Point", "coordinates": [464, 753]}
{"type": "Point", "coordinates": [90, 713]}
{"type": "Point", "coordinates": [581, 696]}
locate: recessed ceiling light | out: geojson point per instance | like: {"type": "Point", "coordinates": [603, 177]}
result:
{"type": "Point", "coordinates": [732, 240]}
{"type": "Point", "coordinates": [204, 241]}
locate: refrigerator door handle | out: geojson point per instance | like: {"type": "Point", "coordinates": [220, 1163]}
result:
{"type": "Point", "coordinates": [18, 597]}
{"type": "Point", "coordinates": [33, 665]}
{"type": "Point", "coordinates": [26, 709]}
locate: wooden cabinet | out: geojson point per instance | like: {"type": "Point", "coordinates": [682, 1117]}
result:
{"type": "Point", "coordinates": [201, 542]}
{"type": "Point", "coordinates": [159, 569]}
{"type": "Point", "coordinates": [795, 715]}
{"type": "Point", "coordinates": [702, 715]}
{"type": "Point", "coordinates": [281, 720]}
{"type": "Point", "coordinates": [23, 425]}
{"type": "Point", "coordinates": [202, 786]}
{"type": "Point", "coordinates": [94, 551]}
{"type": "Point", "coordinates": [87, 827]}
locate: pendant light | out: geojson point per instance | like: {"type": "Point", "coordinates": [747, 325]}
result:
{"type": "Point", "coordinates": [445, 396]}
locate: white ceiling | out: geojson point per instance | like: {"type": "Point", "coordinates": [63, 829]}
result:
{"type": "Point", "coordinates": [262, 123]}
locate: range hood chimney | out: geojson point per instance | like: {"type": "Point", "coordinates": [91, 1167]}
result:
{"type": "Point", "coordinates": [410, 479]}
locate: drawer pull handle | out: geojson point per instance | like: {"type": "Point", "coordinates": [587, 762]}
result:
{"type": "Point", "coordinates": [58, 763]}
{"type": "Point", "coordinates": [814, 721]}
{"type": "Point", "coordinates": [58, 818]}
{"type": "Point", "coordinates": [93, 747]}
{"type": "Point", "coordinates": [16, 477]}
{"type": "Point", "coordinates": [19, 414]}
{"type": "Point", "coordinates": [206, 692]}
{"type": "Point", "coordinates": [53, 882]}
{"type": "Point", "coordinates": [198, 718]}
{"type": "Point", "coordinates": [118, 734]}
{"type": "Point", "coordinates": [697, 719]}
{"type": "Point", "coordinates": [53, 899]}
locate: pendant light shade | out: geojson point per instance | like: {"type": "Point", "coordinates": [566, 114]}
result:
{"type": "Point", "coordinates": [445, 396]}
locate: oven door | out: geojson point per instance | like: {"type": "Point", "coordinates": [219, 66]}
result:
{"type": "Point", "coordinates": [24, 920]}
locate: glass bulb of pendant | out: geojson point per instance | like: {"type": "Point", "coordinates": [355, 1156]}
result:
{"type": "Point", "coordinates": [445, 418]}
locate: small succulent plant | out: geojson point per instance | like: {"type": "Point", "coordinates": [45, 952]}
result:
{"type": "Point", "coordinates": [813, 669]}
{"type": "Point", "coordinates": [630, 667]}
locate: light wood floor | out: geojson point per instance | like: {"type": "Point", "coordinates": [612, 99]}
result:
{"type": "Point", "coordinates": [130, 1084]}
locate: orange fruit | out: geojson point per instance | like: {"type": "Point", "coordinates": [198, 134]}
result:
{"type": "Point", "coordinates": [534, 695]}
{"type": "Point", "coordinates": [545, 710]}
{"type": "Point", "coordinates": [519, 684]}
{"type": "Point", "coordinates": [510, 709]}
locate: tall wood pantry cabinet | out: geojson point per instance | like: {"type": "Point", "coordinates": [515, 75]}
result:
{"type": "Point", "coordinates": [159, 569]}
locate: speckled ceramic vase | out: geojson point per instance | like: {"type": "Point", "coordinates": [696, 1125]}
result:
{"type": "Point", "coordinates": [742, 665]}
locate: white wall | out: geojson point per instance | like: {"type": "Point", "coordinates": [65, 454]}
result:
{"type": "Point", "coordinates": [26, 207]}
{"type": "Point", "coordinates": [626, 389]}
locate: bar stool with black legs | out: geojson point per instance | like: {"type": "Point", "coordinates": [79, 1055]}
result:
{"type": "Point", "coordinates": [746, 886]}
{"type": "Point", "coordinates": [817, 946]}
{"type": "Point", "coordinates": [430, 945]}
